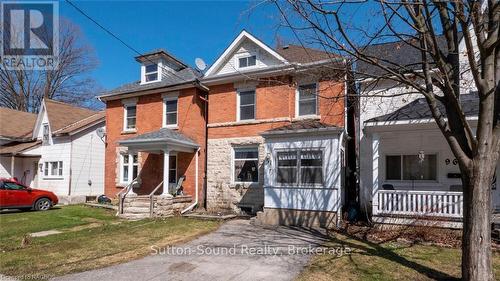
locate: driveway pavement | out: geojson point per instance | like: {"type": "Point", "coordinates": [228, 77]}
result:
{"type": "Point", "coordinates": [236, 251]}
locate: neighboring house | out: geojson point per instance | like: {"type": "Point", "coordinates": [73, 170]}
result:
{"type": "Point", "coordinates": [407, 169]}
{"type": "Point", "coordinates": [58, 150]}
{"type": "Point", "coordinates": [266, 127]}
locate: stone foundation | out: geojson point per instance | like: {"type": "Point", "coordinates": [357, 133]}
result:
{"type": "Point", "coordinates": [72, 199]}
{"type": "Point", "coordinates": [166, 206]}
{"type": "Point", "coordinates": [303, 218]}
{"type": "Point", "coordinates": [222, 193]}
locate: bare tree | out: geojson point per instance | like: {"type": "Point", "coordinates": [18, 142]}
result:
{"type": "Point", "coordinates": [70, 82]}
{"type": "Point", "coordinates": [422, 24]}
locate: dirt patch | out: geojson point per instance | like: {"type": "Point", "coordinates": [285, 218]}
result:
{"type": "Point", "coordinates": [85, 226]}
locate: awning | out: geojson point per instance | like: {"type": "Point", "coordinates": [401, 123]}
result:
{"type": "Point", "coordinates": [303, 127]}
{"type": "Point", "coordinates": [160, 140]}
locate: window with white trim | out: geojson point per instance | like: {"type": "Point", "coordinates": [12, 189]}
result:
{"type": "Point", "coordinates": [46, 132]}
{"type": "Point", "coordinates": [53, 169]}
{"type": "Point", "coordinates": [299, 167]}
{"type": "Point", "coordinates": [247, 61]}
{"type": "Point", "coordinates": [411, 167]}
{"type": "Point", "coordinates": [170, 109]}
{"type": "Point", "coordinates": [130, 117]}
{"type": "Point", "coordinates": [129, 167]}
{"type": "Point", "coordinates": [246, 164]}
{"type": "Point", "coordinates": [307, 100]}
{"type": "Point", "coordinates": [172, 169]}
{"type": "Point", "coordinates": [151, 72]}
{"type": "Point", "coordinates": [246, 105]}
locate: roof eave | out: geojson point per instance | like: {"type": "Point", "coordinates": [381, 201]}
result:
{"type": "Point", "coordinates": [303, 131]}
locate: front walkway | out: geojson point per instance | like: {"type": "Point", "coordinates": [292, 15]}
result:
{"type": "Point", "coordinates": [236, 251]}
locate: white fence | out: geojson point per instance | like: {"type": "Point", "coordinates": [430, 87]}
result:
{"type": "Point", "coordinates": [418, 203]}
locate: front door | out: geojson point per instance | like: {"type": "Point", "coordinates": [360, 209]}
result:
{"type": "Point", "coordinates": [34, 180]}
{"type": "Point", "coordinates": [172, 174]}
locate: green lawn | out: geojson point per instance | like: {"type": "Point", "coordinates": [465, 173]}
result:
{"type": "Point", "coordinates": [387, 261]}
{"type": "Point", "coordinates": [90, 238]}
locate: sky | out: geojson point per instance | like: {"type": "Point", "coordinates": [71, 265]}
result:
{"type": "Point", "coordinates": [186, 29]}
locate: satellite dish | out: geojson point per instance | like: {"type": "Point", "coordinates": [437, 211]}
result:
{"type": "Point", "coordinates": [101, 132]}
{"type": "Point", "coordinates": [200, 64]}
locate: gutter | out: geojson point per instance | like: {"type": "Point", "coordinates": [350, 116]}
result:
{"type": "Point", "coordinates": [152, 141]}
{"type": "Point", "coordinates": [302, 131]}
{"type": "Point", "coordinates": [190, 207]}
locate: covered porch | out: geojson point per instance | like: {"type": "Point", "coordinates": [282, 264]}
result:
{"type": "Point", "coordinates": [162, 169]}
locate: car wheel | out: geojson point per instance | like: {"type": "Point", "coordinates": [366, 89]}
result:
{"type": "Point", "coordinates": [42, 204]}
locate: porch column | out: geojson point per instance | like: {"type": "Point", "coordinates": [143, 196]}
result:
{"type": "Point", "coordinates": [12, 165]}
{"type": "Point", "coordinates": [375, 183]}
{"type": "Point", "coordinates": [166, 168]}
{"type": "Point", "coordinates": [131, 172]}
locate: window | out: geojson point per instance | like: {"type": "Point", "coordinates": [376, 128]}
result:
{"type": "Point", "coordinates": [12, 186]}
{"type": "Point", "coordinates": [151, 72]}
{"type": "Point", "coordinates": [129, 167]}
{"type": "Point", "coordinates": [247, 61]}
{"type": "Point", "coordinates": [411, 167]}
{"type": "Point", "coordinates": [45, 132]}
{"type": "Point", "coordinates": [130, 117]}
{"type": "Point", "coordinates": [53, 169]}
{"type": "Point", "coordinates": [246, 164]}
{"type": "Point", "coordinates": [246, 105]}
{"type": "Point", "coordinates": [172, 169]}
{"type": "Point", "coordinates": [170, 111]}
{"type": "Point", "coordinates": [307, 100]}
{"type": "Point", "coordinates": [305, 167]}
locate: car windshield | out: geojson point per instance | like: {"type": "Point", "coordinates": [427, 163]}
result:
{"type": "Point", "coordinates": [12, 186]}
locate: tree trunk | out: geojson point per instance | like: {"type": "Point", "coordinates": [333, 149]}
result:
{"type": "Point", "coordinates": [476, 248]}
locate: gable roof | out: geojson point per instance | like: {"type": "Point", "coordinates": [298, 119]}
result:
{"type": "Point", "coordinates": [82, 124]}
{"type": "Point", "coordinates": [419, 109]}
{"type": "Point", "coordinates": [15, 124]}
{"type": "Point", "coordinates": [400, 53]}
{"type": "Point", "coordinates": [66, 118]}
{"type": "Point", "coordinates": [244, 35]}
{"type": "Point", "coordinates": [299, 54]}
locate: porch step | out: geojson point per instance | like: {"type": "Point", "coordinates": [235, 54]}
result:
{"type": "Point", "coordinates": [134, 216]}
{"type": "Point", "coordinates": [136, 204]}
{"type": "Point", "coordinates": [136, 210]}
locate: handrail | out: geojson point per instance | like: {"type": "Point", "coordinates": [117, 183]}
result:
{"type": "Point", "coordinates": [151, 203]}
{"type": "Point", "coordinates": [123, 193]}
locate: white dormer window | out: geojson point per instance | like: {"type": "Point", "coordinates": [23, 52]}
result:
{"type": "Point", "coordinates": [45, 136]}
{"type": "Point", "coordinates": [247, 61]}
{"type": "Point", "coordinates": [151, 73]}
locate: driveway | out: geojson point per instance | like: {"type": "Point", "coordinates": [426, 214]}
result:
{"type": "Point", "coordinates": [236, 251]}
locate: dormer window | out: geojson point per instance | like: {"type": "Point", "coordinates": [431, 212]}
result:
{"type": "Point", "coordinates": [247, 61]}
{"type": "Point", "coordinates": [151, 72]}
{"type": "Point", "coordinates": [45, 136]}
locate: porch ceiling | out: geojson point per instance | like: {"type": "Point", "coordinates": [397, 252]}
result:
{"type": "Point", "coordinates": [160, 140]}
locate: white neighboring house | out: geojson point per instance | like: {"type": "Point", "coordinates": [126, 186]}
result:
{"type": "Point", "coordinates": [407, 169]}
{"type": "Point", "coordinates": [59, 149]}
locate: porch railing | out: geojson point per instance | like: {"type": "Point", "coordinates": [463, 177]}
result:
{"type": "Point", "coordinates": [418, 203]}
{"type": "Point", "coordinates": [123, 193]}
{"type": "Point", "coordinates": [151, 199]}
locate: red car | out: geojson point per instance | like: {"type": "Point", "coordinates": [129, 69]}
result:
{"type": "Point", "coordinates": [14, 195]}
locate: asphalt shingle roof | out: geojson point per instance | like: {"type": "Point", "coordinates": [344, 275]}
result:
{"type": "Point", "coordinates": [16, 124]}
{"type": "Point", "coordinates": [163, 134]}
{"type": "Point", "coordinates": [299, 54]}
{"type": "Point", "coordinates": [419, 109]}
{"type": "Point", "coordinates": [299, 126]}
{"type": "Point", "coordinates": [62, 114]}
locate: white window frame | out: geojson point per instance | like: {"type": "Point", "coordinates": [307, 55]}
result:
{"type": "Point", "coordinates": [125, 121]}
{"type": "Point", "coordinates": [246, 55]}
{"type": "Point", "coordinates": [174, 154]}
{"type": "Point", "coordinates": [298, 184]}
{"type": "Point", "coordinates": [297, 101]}
{"type": "Point", "coordinates": [233, 150]}
{"type": "Point", "coordinates": [130, 167]}
{"type": "Point", "coordinates": [145, 74]}
{"type": "Point", "coordinates": [164, 120]}
{"type": "Point", "coordinates": [402, 169]}
{"type": "Point", "coordinates": [47, 167]}
{"type": "Point", "coordinates": [238, 108]}
{"type": "Point", "coordinates": [45, 138]}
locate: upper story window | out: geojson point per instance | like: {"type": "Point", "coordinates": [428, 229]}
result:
{"type": "Point", "coordinates": [130, 113]}
{"type": "Point", "coordinates": [151, 73]}
{"type": "Point", "coordinates": [411, 167]}
{"type": "Point", "coordinates": [46, 133]}
{"type": "Point", "coordinates": [307, 100]}
{"type": "Point", "coordinates": [246, 105]}
{"type": "Point", "coordinates": [246, 164]}
{"type": "Point", "coordinates": [170, 111]}
{"type": "Point", "coordinates": [247, 61]}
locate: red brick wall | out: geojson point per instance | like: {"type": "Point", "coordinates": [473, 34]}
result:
{"type": "Point", "coordinates": [274, 100]}
{"type": "Point", "coordinates": [191, 122]}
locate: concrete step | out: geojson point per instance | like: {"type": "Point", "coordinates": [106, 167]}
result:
{"type": "Point", "coordinates": [137, 204]}
{"type": "Point", "coordinates": [136, 210]}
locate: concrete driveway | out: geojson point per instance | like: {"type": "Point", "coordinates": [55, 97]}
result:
{"type": "Point", "coordinates": [236, 251]}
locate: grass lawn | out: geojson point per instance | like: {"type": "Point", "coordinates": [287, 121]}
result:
{"type": "Point", "coordinates": [387, 261]}
{"type": "Point", "coordinates": [90, 238]}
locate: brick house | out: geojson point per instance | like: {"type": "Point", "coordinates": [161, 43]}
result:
{"type": "Point", "coordinates": [262, 129]}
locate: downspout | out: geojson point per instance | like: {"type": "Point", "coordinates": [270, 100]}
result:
{"type": "Point", "coordinates": [70, 167]}
{"type": "Point", "coordinates": [205, 179]}
{"type": "Point", "coordinates": [340, 146]}
{"type": "Point", "coordinates": [190, 207]}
